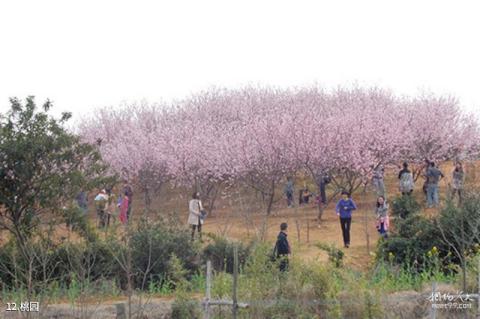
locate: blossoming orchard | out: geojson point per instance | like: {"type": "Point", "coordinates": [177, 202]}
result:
{"type": "Point", "coordinates": [258, 136]}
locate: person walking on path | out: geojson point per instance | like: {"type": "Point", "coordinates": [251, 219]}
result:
{"type": "Point", "coordinates": [127, 190]}
{"type": "Point", "coordinates": [195, 216]}
{"type": "Point", "coordinates": [383, 221]}
{"type": "Point", "coordinates": [344, 209]}
{"type": "Point", "coordinates": [458, 181]}
{"type": "Point", "coordinates": [378, 180]}
{"type": "Point", "coordinates": [405, 177]}
{"type": "Point", "coordinates": [282, 248]}
{"type": "Point", "coordinates": [434, 175]}
{"type": "Point", "coordinates": [289, 191]}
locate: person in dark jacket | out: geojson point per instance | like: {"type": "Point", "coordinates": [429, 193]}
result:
{"type": "Point", "coordinates": [282, 247]}
{"type": "Point", "coordinates": [344, 209]}
{"type": "Point", "coordinates": [323, 182]}
{"type": "Point", "coordinates": [127, 190]}
{"type": "Point", "coordinates": [434, 175]}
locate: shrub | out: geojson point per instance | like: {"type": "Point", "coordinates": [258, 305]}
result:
{"type": "Point", "coordinates": [183, 308]}
{"type": "Point", "coordinates": [335, 255]}
{"type": "Point", "coordinates": [404, 206]}
{"type": "Point", "coordinates": [411, 240]}
{"type": "Point", "coordinates": [220, 253]}
{"type": "Point", "coordinates": [154, 244]}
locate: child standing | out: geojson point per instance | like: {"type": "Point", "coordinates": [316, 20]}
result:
{"type": "Point", "coordinates": [383, 221]}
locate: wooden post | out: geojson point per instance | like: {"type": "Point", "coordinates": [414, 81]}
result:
{"type": "Point", "coordinates": [478, 293]}
{"type": "Point", "coordinates": [367, 232]}
{"type": "Point", "coordinates": [208, 297]}
{"type": "Point", "coordinates": [121, 313]}
{"type": "Point", "coordinates": [433, 310]}
{"type": "Point", "coordinates": [297, 224]}
{"type": "Point", "coordinates": [308, 231]}
{"type": "Point", "coordinates": [235, 281]}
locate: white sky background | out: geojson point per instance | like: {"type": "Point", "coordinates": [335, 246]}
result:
{"type": "Point", "coordinates": [87, 54]}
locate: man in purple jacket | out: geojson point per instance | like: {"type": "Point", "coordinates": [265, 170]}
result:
{"type": "Point", "coordinates": [344, 209]}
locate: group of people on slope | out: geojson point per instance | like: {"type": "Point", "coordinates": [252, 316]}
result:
{"type": "Point", "coordinates": [345, 206]}
{"type": "Point", "coordinates": [106, 206]}
{"type": "Point", "coordinates": [304, 194]}
{"type": "Point", "coordinates": [432, 176]}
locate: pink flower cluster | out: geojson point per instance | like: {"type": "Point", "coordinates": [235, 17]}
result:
{"type": "Point", "coordinates": [263, 133]}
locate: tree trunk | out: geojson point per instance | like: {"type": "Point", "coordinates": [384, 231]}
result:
{"type": "Point", "coordinates": [271, 198]}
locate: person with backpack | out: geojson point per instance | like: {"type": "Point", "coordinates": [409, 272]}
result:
{"type": "Point", "coordinates": [196, 215]}
{"type": "Point", "coordinates": [344, 209]}
{"type": "Point", "coordinates": [406, 180]}
{"type": "Point", "coordinates": [383, 221]}
{"type": "Point", "coordinates": [434, 176]}
{"type": "Point", "coordinates": [458, 181]}
{"type": "Point", "coordinates": [289, 190]}
{"type": "Point", "coordinates": [282, 248]}
{"type": "Point", "coordinates": [101, 205]}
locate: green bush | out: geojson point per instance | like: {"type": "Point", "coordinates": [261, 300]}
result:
{"type": "Point", "coordinates": [405, 206]}
{"type": "Point", "coordinates": [335, 255]}
{"type": "Point", "coordinates": [220, 253]}
{"type": "Point", "coordinates": [186, 309]}
{"type": "Point", "coordinates": [154, 244]}
{"type": "Point", "coordinates": [411, 240]}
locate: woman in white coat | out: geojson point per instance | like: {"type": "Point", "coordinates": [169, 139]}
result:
{"type": "Point", "coordinates": [195, 219]}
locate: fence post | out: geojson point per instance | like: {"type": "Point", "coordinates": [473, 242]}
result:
{"type": "Point", "coordinates": [208, 296]}
{"type": "Point", "coordinates": [478, 291]}
{"type": "Point", "coordinates": [433, 310]}
{"type": "Point", "coordinates": [235, 280]}
{"type": "Point", "coordinates": [308, 230]}
{"type": "Point", "coordinates": [121, 312]}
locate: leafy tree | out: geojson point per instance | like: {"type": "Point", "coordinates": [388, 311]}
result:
{"type": "Point", "coordinates": [42, 166]}
{"type": "Point", "coordinates": [460, 228]}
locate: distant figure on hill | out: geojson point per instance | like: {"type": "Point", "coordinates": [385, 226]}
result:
{"type": "Point", "coordinates": [304, 195]}
{"type": "Point", "coordinates": [110, 206]}
{"type": "Point", "coordinates": [323, 182]}
{"type": "Point", "coordinates": [127, 189]}
{"type": "Point", "coordinates": [196, 215]}
{"type": "Point", "coordinates": [289, 191]}
{"type": "Point", "coordinates": [82, 201]}
{"type": "Point", "coordinates": [101, 205]}
{"type": "Point", "coordinates": [383, 221]}
{"type": "Point", "coordinates": [378, 180]}
{"type": "Point", "coordinates": [405, 177]}
{"type": "Point", "coordinates": [282, 248]}
{"type": "Point", "coordinates": [426, 166]}
{"type": "Point", "coordinates": [458, 181]}
{"type": "Point", "coordinates": [434, 175]}
{"type": "Point", "coordinates": [344, 209]}
{"type": "Point", "coordinates": [124, 204]}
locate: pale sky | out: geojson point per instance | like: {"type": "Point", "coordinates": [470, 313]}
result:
{"type": "Point", "coordinates": [88, 54]}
